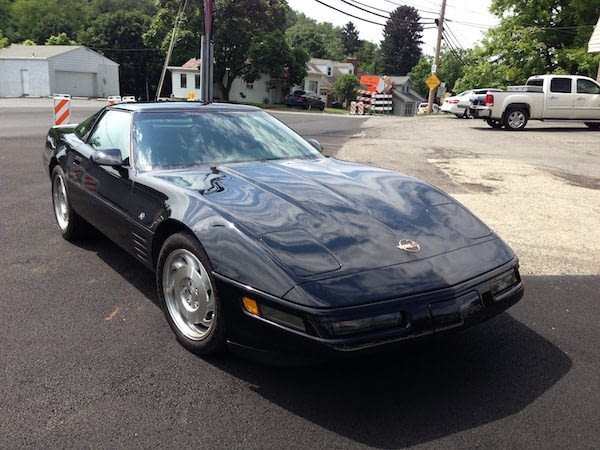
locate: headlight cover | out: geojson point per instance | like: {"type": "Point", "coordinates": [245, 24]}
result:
{"type": "Point", "coordinates": [363, 325]}
{"type": "Point", "coordinates": [504, 282]}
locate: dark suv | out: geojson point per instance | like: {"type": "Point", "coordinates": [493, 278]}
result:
{"type": "Point", "coordinates": [304, 99]}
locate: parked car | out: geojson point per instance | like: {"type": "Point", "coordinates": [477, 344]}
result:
{"type": "Point", "coordinates": [544, 97]}
{"type": "Point", "coordinates": [261, 244]}
{"type": "Point", "coordinates": [423, 107]}
{"type": "Point", "coordinates": [128, 99]}
{"type": "Point", "coordinates": [114, 99]}
{"type": "Point", "coordinates": [304, 99]}
{"type": "Point", "coordinates": [457, 104]}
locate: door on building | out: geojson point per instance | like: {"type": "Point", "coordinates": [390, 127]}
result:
{"type": "Point", "coordinates": [409, 109]}
{"type": "Point", "coordinates": [25, 82]}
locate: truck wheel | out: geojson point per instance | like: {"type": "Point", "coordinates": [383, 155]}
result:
{"type": "Point", "coordinates": [515, 119]}
{"type": "Point", "coordinates": [494, 123]}
{"type": "Point", "coordinates": [593, 125]}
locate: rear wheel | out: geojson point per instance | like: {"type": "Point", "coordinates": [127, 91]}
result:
{"type": "Point", "coordinates": [308, 106]}
{"type": "Point", "coordinates": [188, 295]}
{"type": "Point", "coordinates": [494, 123]}
{"type": "Point", "coordinates": [593, 125]}
{"type": "Point", "coordinates": [515, 119]}
{"type": "Point", "coordinates": [70, 224]}
{"type": "Point", "coordinates": [322, 108]}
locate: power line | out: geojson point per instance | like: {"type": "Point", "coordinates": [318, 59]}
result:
{"type": "Point", "coordinates": [365, 10]}
{"type": "Point", "coordinates": [400, 4]}
{"type": "Point", "coordinates": [372, 7]}
{"type": "Point", "coordinates": [366, 20]}
{"type": "Point", "coordinates": [456, 40]}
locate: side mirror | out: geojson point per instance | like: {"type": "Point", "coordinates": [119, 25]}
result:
{"type": "Point", "coordinates": [108, 157]}
{"type": "Point", "coordinates": [316, 144]}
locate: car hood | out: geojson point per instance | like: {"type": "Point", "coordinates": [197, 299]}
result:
{"type": "Point", "coordinates": [323, 217]}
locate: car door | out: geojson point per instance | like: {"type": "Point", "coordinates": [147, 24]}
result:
{"type": "Point", "coordinates": [587, 100]}
{"type": "Point", "coordinates": [105, 190]}
{"type": "Point", "coordinates": [559, 99]}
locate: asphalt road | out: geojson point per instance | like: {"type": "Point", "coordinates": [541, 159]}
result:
{"type": "Point", "coordinates": [88, 360]}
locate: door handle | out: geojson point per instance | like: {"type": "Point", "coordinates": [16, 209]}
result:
{"type": "Point", "coordinates": [553, 97]}
{"type": "Point", "coordinates": [77, 159]}
{"type": "Point", "coordinates": [580, 98]}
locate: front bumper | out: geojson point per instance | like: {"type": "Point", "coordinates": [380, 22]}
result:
{"type": "Point", "coordinates": [426, 315]}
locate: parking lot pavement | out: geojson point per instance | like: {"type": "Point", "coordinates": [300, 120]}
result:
{"type": "Point", "coordinates": [87, 359]}
{"type": "Point", "coordinates": [538, 188]}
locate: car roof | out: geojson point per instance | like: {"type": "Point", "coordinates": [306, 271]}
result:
{"type": "Point", "coordinates": [183, 107]}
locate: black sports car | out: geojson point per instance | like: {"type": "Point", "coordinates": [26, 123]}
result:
{"type": "Point", "coordinates": [261, 243]}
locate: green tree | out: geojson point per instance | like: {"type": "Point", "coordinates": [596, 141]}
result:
{"type": "Point", "coordinates": [345, 87]}
{"type": "Point", "coordinates": [320, 39]}
{"type": "Point", "coordinates": [350, 39]}
{"type": "Point", "coordinates": [38, 20]}
{"type": "Point", "coordinates": [419, 74]}
{"type": "Point", "coordinates": [369, 58]}
{"type": "Point", "coordinates": [60, 39]}
{"type": "Point", "coordinates": [118, 36]}
{"type": "Point", "coordinates": [401, 45]}
{"type": "Point", "coordinates": [28, 42]}
{"type": "Point", "coordinates": [248, 39]}
{"type": "Point", "coordinates": [4, 41]}
{"type": "Point", "coordinates": [534, 37]}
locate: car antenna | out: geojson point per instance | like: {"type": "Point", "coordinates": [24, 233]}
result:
{"type": "Point", "coordinates": [207, 54]}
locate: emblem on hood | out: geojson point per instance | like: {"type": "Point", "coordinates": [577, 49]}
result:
{"type": "Point", "coordinates": [409, 245]}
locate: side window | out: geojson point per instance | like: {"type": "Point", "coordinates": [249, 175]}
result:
{"type": "Point", "coordinates": [560, 85]}
{"type": "Point", "coordinates": [113, 131]}
{"type": "Point", "coordinates": [587, 87]}
{"type": "Point", "coordinates": [197, 81]}
{"type": "Point", "coordinates": [183, 80]}
{"type": "Point", "coordinates": [82, 129]}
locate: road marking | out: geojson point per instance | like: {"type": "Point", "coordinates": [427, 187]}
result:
{"type": "Point", "coordinates": [113, 314]}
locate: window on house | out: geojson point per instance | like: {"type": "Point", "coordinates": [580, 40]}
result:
{"type": "Point", "coordinates": [183, 80]}
{"type": "Point", "coordinates": [197, 81]}
{"type": "Point", "coordinates": [313, 86]}
{"type": "Point", "coordinates": [249, 86]}
{"type": "Point", "coordinates": [329, 71]}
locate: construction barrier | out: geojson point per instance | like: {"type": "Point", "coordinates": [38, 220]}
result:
{"type": "Point", "coordinates": [62, 109]}
{"type": "Point", "coordinates": [361, 108]}
{"type": "Point", "coordinates": [352, 107]}
{"type": "Point", "coordinates": [374, 102]}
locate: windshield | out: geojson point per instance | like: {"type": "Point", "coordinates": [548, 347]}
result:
{"type": "Point", "coordinates": [175, 139]}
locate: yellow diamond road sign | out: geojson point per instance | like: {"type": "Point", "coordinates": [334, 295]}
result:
{"type": "Point", "coordinates": [433, 81]}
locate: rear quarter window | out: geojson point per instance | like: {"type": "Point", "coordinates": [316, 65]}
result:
{"type": "Point", "coordinates": [560, 85]}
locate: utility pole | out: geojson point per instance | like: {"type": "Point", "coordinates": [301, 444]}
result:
{"type": "Point", "coordinates": [436, 60]}
{"type": "Point", "coordinates": [182, 6]}
{"type": "Point", "coordinates": [207, 55]}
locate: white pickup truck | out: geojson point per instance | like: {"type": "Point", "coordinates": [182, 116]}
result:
{"type": "Point", "coordinates": [544, 97]}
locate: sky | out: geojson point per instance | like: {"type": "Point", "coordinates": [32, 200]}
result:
{"type": "Point", "coordinates": [474, 14]}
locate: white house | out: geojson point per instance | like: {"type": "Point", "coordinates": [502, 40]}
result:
{"type": "Point", "coordinates": [322, 73]}
{"type": "Point", "coordinates": [594, 44]}
{"type": "Point", "coordinates": [265, 89]}
{"type": "Point", "coordinates": [42, 70]}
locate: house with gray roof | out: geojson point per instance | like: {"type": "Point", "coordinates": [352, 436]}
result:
{"type": "Point", "coordinates": [322, 73]}
{"type": "Point", "coordinates": [43, 70]}
{"type": "Point", "coordinates": [405, 100]}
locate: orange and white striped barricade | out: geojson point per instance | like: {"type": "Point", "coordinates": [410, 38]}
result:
{"type": "Point", "coordinates": [62, 109]}
{"type": "Point", "coordinates": [361, 108]}
{"type": "Point", "coordinates": [352, 107]}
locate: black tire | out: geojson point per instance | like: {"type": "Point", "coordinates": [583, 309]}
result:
{"type": "Point", "coordinates": [70, 224]}
{"type": "Point", "coordinates": [494, 123]}
{"type": "Point", "coordinates": [206, 336]}
{"type": "Point", "coordinates": [515, 119]}
{"type": "Point", "coordinates": [322, 108]}
{"type": "Point", "coordinates": [593, 125]}
{"type": "Point", "coordinates": [308, 106]}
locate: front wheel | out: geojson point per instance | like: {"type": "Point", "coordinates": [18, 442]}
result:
{"type": "Point", "coordinates": [593, 125]}
{"type": "Point", "coordinates": [515, 119]}
{"type": "Point", "coordinates": [308, 107]}
{"type": "Point", "coordinates": [188, 295]}
{"type": "Point", "coordinates": [494, 123]}
{"type": "Point", "coordinates": [70, 224]}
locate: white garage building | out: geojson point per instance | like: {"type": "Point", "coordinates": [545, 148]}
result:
{"type": "Point", "coordinates": [42, 70]}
